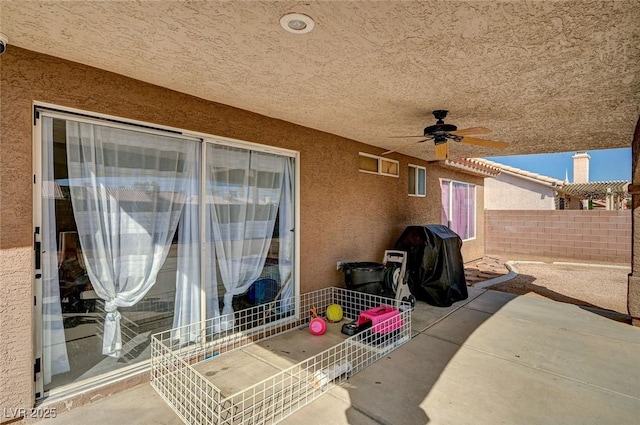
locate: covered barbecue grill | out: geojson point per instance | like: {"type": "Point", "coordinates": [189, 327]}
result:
{"type": "Point", "coordinates": [434, 264]}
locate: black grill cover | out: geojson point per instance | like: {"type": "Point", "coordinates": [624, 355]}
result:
{"type": "Point", "coordinates": [434, 264]}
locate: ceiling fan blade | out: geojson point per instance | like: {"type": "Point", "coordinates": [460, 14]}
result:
{"type": "Point", "coordinates": [472, 131]}
{"type": "Point", "coordinates": [404, 146]}
{"type": "Point", "coordinates": [404, 137]}
{"type": "Point", "coordinates": [442, 151]}
{"type": "Point", "coordinates": [484, 142]}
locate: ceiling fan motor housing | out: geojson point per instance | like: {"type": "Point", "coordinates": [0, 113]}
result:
{"type": "Point", "coordinates": [440, 129]}
{"type": "Point", "coordinates": [440, 114]}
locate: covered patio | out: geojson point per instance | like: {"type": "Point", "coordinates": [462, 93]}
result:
{"type": "Point", "coordinates": [334, 86]}
{"type": "Point", "coordinates": [494, 358]}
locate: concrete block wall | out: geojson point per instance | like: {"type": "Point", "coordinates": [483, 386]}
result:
{"type": "Point", "coordinates": [598, 236]}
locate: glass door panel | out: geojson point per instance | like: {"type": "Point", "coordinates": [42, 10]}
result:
{"type": "Point", "coordinates": [122, 219]}
{"type": "Point", "coordinates": [132, 192]}
{"type": "Point", "coordinates": [249, 228]}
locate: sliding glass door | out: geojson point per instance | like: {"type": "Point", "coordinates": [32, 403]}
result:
{"type": "Point", "coordinates": [144, 230]}
{"type": "Point", "coordinates": [247, 192]}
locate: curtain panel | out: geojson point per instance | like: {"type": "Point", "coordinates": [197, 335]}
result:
{"type": "Point", "coordinates": [186, 318]}
{"type": "Point", "coordinates": [286, 235]}
{"type": "Point", "coordinates": [445, 216]}
{"type": "Point", "coordinates": [460, 213]}
{"type": "Point", "coordinates": [243, 195]}
{"type": "Point", "coordinates": [458, 208]}
{"type": "Point", "coordinates": [54, 347]}
{"type": "Point", "coordinates": [128, 192]}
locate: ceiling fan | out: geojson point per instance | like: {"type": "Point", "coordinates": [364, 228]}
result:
{"type": "Point", "coordinates": [440, 133]}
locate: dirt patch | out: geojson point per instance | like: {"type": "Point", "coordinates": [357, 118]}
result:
{"type": "Point", "coordinates": [484, 269]}
{"type": "Point", "coordinates": [588, 286]}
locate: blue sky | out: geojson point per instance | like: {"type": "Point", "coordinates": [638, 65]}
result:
{"type": "Point", "coordinates": [605, 164]}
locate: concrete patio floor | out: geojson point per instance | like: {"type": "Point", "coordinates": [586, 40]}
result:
{"type": "Point", "coordinates": [493, 358]}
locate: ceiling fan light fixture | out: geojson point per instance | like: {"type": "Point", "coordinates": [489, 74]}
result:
{"type": "Point", "coordinates": [440, 133]}
{"type": "Point", "coordinates": [297, 23]}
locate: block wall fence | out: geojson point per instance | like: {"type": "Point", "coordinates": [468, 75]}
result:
{"type": "Point", "coordinates": [583, 235]}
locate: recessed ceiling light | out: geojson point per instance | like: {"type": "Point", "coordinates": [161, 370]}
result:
{"type": "Point", "coordinates": [297, 23]}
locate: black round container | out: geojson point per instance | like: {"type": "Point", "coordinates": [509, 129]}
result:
{"type": "Point", "coordinates": [364, 276]}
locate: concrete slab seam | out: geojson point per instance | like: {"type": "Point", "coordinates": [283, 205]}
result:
{"type": "Point", "coordinates": [443, 339]}
{"type": "Point", "coordinates": [261, 359]}
{"type": "Point", "coordinates": [549, 372]}
{"type": "Point", "coordinates": [467, 301]}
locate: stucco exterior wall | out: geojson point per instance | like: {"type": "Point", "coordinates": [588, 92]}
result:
{"type": "Point", "coordinates": [345, 215]}
{"type": "Point", "coordinates": [471, 249]}
{"type": "Point", "coordinates": [573, 203]}
{"type": "Point", "coordinates": [509, 192]}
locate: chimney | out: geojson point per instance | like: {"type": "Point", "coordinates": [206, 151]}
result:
{"type": "Point", "coordinates": [581, 167]}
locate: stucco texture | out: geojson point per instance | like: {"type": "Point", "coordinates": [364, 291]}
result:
{"type": "Point", "coordinates": [508, 192]}
{"type": "Point", "coordinates": [345, 214]}
{"type": "Point", "coordinates": [471, 249]}
{"type": "Point", "coordinates": [545, 75]}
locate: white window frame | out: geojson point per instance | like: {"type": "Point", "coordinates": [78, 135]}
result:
{"type": "Point", "coordinates": [380, 161]}
{"type": "Point", "coordinates": [56, 111]}
{"type": "Point", "coordinates": [475, 206]}
{"type": "Point", "coordinates": [417, 180]}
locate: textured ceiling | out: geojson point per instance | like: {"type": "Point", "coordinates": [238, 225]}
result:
{"type": "Point", "coordinates": [546, 76]}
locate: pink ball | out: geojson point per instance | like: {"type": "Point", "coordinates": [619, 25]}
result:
{"type": "Point", "coordinates": [317, 326]}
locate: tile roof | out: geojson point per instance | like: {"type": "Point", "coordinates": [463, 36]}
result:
{"type": "Point", "coordinates": [549, 181]}
{"type": "Point", "coordinates": [470, 166]}
{"type": "Point", "coordinates": [593, 190]}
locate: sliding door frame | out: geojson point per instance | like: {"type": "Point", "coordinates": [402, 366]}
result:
{"type": "Point", "coordinates": [55, 111]}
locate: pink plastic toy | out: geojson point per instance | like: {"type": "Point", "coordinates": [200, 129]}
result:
{"type": "Point", "coordinates": [317, 325]}
{"type": "Point", "coordinates": [378, 315]}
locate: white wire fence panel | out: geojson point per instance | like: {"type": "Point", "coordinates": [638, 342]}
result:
{"type": "Point", "coordinates": [194, 399]}
{"type": "Point", "coordinates": [197, 401]}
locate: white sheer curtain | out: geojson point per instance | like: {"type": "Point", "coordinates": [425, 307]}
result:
{"type": "Point", "coordinates": [446, 214]}
{"type": "Point", "coordinates": [188, 299]}
{"type": "Point", "coordinates": [460, 213]}
{"type": "Point", "coordinates": [127, 192]}
{"type": "Point", "coordinates": [243, 195]}
{"type": "Point", "coordinates": [286, 232]}
{"type": "Point", "coordinates": [54, 347]}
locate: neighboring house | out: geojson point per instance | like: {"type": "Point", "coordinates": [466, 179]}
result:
{"type": "Point", "coordinates": [583, 194]}
{"type": "Point", "coordinates": [608, 195]}
{"type": "Point", "coordinates": [574, 234]}
{"type": "Point", "coordinates": [117, 180]}
{"type": "Point", "coordinates": [517, 189]}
